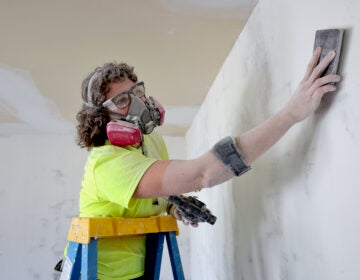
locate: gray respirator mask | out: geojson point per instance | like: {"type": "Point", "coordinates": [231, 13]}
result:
{"type": "Point", "coordinates": [146, 115]}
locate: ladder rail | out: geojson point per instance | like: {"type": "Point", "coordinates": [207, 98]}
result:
{"type": "Point", "coordinates": [174, 255]}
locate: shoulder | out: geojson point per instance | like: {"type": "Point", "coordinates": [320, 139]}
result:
{"type": "Point", "coordinates": [108, 152]}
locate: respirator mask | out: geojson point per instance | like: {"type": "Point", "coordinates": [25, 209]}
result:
{"type": "Point", "coordinates": [143, 116]}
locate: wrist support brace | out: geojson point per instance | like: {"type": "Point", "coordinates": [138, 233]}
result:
{"type": "Point", "coordinates": [229, 154]}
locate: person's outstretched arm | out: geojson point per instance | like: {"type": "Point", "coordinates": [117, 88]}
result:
{"type": "Point", "coordinates": [182, 176]}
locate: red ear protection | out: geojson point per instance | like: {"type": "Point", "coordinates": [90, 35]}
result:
{"type": "Point", "coordinates": [122, 133]}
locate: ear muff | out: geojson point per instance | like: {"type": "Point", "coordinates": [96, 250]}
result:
{"type": "Point", "coordinates": [123, 133]}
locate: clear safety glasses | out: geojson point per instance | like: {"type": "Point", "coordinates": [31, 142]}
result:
{"type": "Point", "coordinates": [122, 100]}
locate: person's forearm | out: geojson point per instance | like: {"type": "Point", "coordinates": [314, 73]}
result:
{"type": "Point", "coordinates": [171, 177]}
{"type": "Point", "coordinates": [261, 138]}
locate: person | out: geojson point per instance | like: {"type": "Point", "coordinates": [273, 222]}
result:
{"type": "Point", "coordinates": [128, 171]}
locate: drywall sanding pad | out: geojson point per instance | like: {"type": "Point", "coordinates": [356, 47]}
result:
{"type": "Point", "coordinates": [329, 39]}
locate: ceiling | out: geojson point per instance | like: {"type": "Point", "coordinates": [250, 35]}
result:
{"type": "Point", "coordinates": [176, 46]}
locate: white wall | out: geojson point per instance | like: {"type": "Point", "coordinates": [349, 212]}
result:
{"type": "Point", "coordinates": [295, 214]}
{"type": "Point", "coordinates": [41, 169]}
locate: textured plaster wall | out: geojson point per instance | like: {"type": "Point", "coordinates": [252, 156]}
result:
{"type": "Point", "coordinates": [41, 170]}
{"type": "Point", "coordinates": [295, 214]}
{"type": "Point", "coordinates": [40, 173]}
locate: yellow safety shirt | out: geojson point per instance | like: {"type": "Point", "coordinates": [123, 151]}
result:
{"type": "Point", "coordinates": [111, 175]}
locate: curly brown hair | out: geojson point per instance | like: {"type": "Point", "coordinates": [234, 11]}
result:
{"type": "Point", "coordinates": [92, 118]}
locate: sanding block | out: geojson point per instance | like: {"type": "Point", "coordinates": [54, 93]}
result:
{"type": "Point", "coordinates": [329, 39]}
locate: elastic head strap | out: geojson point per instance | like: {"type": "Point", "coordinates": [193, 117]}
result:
{"type": "Point", "coordinates": [89, 100]}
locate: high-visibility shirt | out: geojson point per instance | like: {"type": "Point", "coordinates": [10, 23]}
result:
{"type": "Point", "coordinates": [111, 175]}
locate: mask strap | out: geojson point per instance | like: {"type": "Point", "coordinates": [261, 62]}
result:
{"type": "Point", "coordinates": [89, 100]}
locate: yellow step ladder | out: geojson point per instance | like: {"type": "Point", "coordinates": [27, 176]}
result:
{"type": "Point", "coordinates": [81, 258]}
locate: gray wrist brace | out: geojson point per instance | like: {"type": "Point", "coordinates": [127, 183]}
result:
{"type": "Point", "coordinates": [229, 154]}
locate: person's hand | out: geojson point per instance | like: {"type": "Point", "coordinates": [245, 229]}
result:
{"type": "Point", "coordinates": [178, 215]}
{"type": "Point", "coordinates": [312, 88]}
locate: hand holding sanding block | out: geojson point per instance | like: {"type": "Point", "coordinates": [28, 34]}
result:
{"type": "Point", "coordinates": [329, 39]}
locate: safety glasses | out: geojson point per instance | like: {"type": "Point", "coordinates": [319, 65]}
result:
{"type": "Point", "coordinates": [122, 100]}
